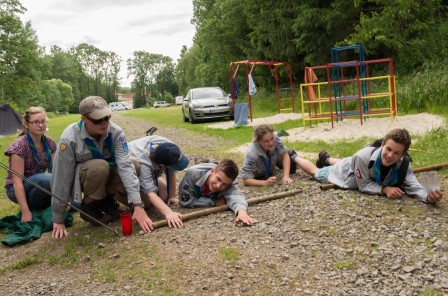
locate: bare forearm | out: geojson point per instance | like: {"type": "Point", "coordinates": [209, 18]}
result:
{"type": "Point", "coordinates": [158, 203]}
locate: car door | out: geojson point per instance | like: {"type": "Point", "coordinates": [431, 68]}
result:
{"type": "Point", "coordinates": [186, 105]}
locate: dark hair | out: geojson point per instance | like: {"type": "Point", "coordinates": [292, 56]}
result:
{"type": "Point", "coordinates": [262, 130]}
{"type": "Point", "coordinates": [228, 167]}
{"type": "Point", "coordinates": [400, 136]}
{"type": "Point", "coordinates": [27, 116]}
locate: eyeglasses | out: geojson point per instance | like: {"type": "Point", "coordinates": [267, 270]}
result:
{"type": "Point", "coordinates": [37, 122]}
{"type": "Point", "coordinates": [98, 121]}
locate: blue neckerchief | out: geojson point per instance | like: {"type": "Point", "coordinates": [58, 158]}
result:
{"type": "Point", "coordinates": [95, 152]}
{"type": "Point", "coordinates": [34, 151]}
{"type": "Point", "coordinates": [267, 166]}
{"type": "Point", "coordinates": [394, 179]}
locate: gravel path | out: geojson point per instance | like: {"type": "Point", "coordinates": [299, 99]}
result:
{"type": "Point", "coordinates": [314, 243]}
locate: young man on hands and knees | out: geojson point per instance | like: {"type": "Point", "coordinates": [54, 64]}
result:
{"type": "Point", "coordinates": [210, 184]}
{"type": "Point", "coordinates": [157, 155]}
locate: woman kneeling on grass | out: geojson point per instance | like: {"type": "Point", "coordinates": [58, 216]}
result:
{"type": "Point", "coordinates": [31, 155]}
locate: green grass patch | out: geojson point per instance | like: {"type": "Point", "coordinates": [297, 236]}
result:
{"type": "Point", "coordinates": [432, 292]}
{"type": "Point", "coordinates": [22, 264]}
{"type": "Point", "coordinates": [106, 273]}
{"type": "Point", "coordinates": [229, 254]}
{"type": "Point", "coordinates": [345, 264]}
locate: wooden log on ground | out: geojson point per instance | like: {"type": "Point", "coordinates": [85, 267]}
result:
{"type": "Point", "coordinates": [416, 170]}
{"type": "Point", "coordinates": [208, 211]}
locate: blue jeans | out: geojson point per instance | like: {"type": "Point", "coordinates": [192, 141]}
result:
{"type": "Point", "coordinates": [36, 198]}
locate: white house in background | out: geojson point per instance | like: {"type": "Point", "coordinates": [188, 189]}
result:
{"type": "Point", "coordinates": [127, 99]}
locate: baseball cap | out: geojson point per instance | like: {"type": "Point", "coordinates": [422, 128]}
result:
{"type": "Point", "coordinates": [169, 154]}
{"type": "Point", "coordinates": [94, 106]}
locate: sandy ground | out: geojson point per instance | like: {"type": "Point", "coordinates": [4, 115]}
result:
{"type": "Point", "coordinates": [351, 129]}
{"type": "Point", "coordinates": [257, 121]}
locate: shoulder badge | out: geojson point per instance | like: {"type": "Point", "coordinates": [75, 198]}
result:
{"type": "Point", "coordinates": [62, 147]}
{"type": "Point", "coordinates": [152, 148]}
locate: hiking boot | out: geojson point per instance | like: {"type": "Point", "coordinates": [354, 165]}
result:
{"type": "Point", "coordinates": [92, 210]}
{"type": "Point", "coordinates": [151, 131]}
{"type": "Point", "coordinates": [321, 161]}
{"type": "Point", "coordinates": [110, 207]}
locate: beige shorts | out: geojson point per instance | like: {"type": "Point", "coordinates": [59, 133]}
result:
{"type": "Point", "coordinates": [99, 179]}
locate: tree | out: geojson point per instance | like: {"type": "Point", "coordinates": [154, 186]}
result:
{"type": "Point", "coordinates": [145, 67]}
{"type": "Point", "coordinates": [19, 56]}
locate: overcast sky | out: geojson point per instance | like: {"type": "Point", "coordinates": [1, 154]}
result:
{"type": "Point", "coordinates": [122, 26]}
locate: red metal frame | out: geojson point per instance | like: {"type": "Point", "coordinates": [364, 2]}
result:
{"type": "Point", "coordinates": [273, 67]}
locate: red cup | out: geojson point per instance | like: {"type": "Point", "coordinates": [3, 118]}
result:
{"type": "Point", "coordinates": [126, 223]}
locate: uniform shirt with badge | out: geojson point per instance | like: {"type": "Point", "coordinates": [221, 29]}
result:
{"type": "Point", "coordinates": [193, 190]}
{"type": "Point", "coordinates": [143, 149]}
{"type": "Point", "coordinates": [72, 151]}
{"type": "Point", "coordinates": [257, 163]}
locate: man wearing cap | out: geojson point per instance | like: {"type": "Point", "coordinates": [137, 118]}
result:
{"type": "Point", "coordinates": [92, 155]}
{"type": "Point", "coordinates": [157, 155]}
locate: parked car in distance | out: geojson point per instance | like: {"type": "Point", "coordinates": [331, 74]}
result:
{"type": "Point", "coordinates": [118, 106]}
{"type": "Point", "coordinates": [158, 104]}
{"type": "Point", "coordinates": [206, 103]}
{"type": "Point", "coordinates": [179, 100]}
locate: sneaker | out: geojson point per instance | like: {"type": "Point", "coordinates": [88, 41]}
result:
{"type": "Point", "coordinates": [110, 207]}
{"type": "Point", "coordinates": [323, 156]}
{"type": "Point", "coordinates": [93, 211]}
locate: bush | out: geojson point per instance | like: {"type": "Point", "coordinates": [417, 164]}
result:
{"type": "Point", "coordinates": [51, 115]}
{"type": "Point", "coordinates": [424, 90]}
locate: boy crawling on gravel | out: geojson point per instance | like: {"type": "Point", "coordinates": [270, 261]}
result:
{"type": "Point", "coordinates": [211, 184]}
{"type": "Point", "coordinates": [375, 170]}
{"type": "Point", "coordinates": [157, 155]}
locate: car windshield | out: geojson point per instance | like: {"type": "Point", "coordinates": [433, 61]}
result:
{"type": "Point", "coordinates": [207, 93]}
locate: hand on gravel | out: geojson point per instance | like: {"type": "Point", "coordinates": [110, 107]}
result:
{"type": "Point", "coordinates": [59, 231]}
{"type": "Point", "coordinates": [287, 180]}
{"type": "Point", "coordinates": [173, 201]}
{"type": "Point", "coordinates": [435, 196]}
{"type": "Point", "coordinates": [270, 181]}
{"type": "Point", "coordinates": [392, 192]}
{"type": "Point", "coordinates": [244, 217]}
{"type": "Point", "coordinates": [142, 219]}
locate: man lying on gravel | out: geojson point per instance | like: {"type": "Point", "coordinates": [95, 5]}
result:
{"type": "Point", "coordinates": [211, 184]}
{"type": "Point", "coordinates": [375, 170]}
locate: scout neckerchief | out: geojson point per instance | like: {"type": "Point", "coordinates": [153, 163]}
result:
{"type": "Point", "coordinates": [394, 179]}
{"type": "Point", "coordinates": [34, 151]}
{"type": "Point", "coordinates": [198, 193]}
{"type": "Point", "coordinates": [95, 152]}
{"type": "Point", "coordinates": [155, 172]}
{"type": "Point", "coordinates": [266, 165]}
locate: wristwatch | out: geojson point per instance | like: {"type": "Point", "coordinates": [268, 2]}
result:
{"type": "Point", "coordinates": [137, 204]}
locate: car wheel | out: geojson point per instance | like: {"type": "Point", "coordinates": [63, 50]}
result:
{"type": "Point", "coordinates": [183, 117]}
{"type": "Point", "coordinates": [192, 120]}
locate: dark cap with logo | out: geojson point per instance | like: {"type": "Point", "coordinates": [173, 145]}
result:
{"type": "Point", "coordinates": [169, 154]}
